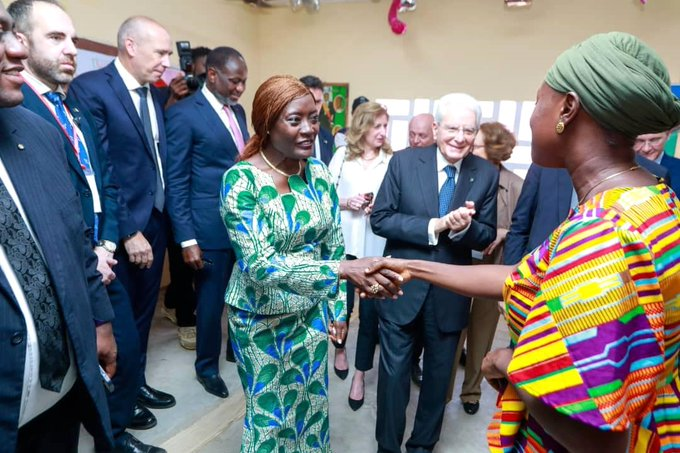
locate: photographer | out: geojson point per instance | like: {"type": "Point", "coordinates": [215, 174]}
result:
{"type": "Point", "coordinates": [192, 77]}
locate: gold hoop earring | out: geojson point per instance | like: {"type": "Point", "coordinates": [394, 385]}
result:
{"type": "Point", "coordinates": [559, 127]}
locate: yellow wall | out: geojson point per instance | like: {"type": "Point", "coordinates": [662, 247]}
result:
{"type": "Point", "coordinates": [477, 46]}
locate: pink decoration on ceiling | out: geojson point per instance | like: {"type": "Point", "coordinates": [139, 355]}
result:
{"type": "Point", "coordinates": [398, 6]}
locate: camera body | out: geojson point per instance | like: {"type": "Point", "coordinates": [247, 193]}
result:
{"type": "Point", "coordinates": [186, 64]}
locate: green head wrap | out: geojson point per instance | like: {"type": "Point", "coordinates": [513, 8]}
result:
{"type": "Point", "coordinates": [622, 84]}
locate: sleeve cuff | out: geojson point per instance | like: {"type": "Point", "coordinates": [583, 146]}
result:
{"type": "Point", "coordinates": [453, 236]}
{"type": "Point", "coordinates": [432, 237]}
{"type": "Point", "coordinates": [188, 243]}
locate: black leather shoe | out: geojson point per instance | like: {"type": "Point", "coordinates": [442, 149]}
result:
{"type": "Point", "coordinates": [127, 443]}
{"type": "Point", "coordinates": [342, 374]}
{"type": "Point", "coordinates": [355, 404]}
{"type": "Point", "coordinates": [471, 408]}
{"type": "Point", "coordinates": [463, 357]}
{"type": "Point", "coordinates": [416, 374]}
{"type": "Point", "coordinates": [155, 399]}
{"type": "Point", "coordinates": [214, 384]}
{"type": "Point", "coordinates": [142, 418]}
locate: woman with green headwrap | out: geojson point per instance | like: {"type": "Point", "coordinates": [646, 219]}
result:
{"type": "Point", "coordinates": [594, 312]}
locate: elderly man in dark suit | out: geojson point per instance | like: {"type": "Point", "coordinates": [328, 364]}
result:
{"type": "Point", "coordinates": [129, 121]}
{"type": "Point", "coordinates": [546, 198]}
{"type": "Point", "coordinates": [206, 133]}
{"type": "Point", "coordinates": [438, 204]}
{"type": "Point", "coordinates": [50, 67]}
{"type": "Point", "coordinates": [54, 312]}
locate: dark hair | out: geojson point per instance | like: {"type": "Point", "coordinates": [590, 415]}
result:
{"type": "Point", "coordinates": [20, 10]}
{"type": "Point", "coordinates": [270, 100]}
{"type": "Point", "coordinates": [358, 101]}
{"type": "Point", "coordinates": [311, 81]}
{"type": "Point", "coordinates": [198, 52]}
{"type": "Point", "coordinates": [219, 56]}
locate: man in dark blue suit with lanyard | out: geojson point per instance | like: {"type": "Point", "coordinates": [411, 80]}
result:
{"type": "Point", "coordinates": [54, 312]}
{"type": "Point", "coordinates": [49, 69]}
{"type": "Point", "coordinates": [206, 134]}
{"type": "Point", "coordinates": [129, 121]}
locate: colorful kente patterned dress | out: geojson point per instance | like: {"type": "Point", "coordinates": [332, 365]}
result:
{"type": "Point", "coordinates": [282, 294]}
{"type": "Point", "coordinates": [594, 313]}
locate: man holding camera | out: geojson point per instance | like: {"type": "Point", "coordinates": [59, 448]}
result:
{"type": "Point", "coordinates": [206, 133]}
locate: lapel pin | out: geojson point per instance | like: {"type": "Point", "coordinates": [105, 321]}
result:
{"type": "Point", "coordinates": [20, 147]}
{"type": "Point", "coordinates": [472, 179]}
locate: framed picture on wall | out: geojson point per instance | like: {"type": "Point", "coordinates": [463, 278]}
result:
{"type": "Point", "coordinates": [335, 105]}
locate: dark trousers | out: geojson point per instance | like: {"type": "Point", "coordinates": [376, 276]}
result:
{"type": "Point", "coordinates": [128, 372]}
{"type": "Point", "coordinates": [180, 293]}
{"type": "Point", "coordinates": [57, 429]}
{"type": "Point", "coordinates": [211, 284]}
{"type": "Point", "coordinates": [396, 357]}
{"type": "Point", "coordinates": [143, 285]}
{"type": "Point", "coordinates": [367, 337]}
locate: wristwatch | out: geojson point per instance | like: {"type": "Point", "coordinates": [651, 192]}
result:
{"type": "Point", "coordinates": [107, 245]}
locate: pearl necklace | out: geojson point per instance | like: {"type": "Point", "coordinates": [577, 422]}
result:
{"type": "Point", "coordinates": [276, 169]}
{"type": "Point", "coordinates": [633, 168]}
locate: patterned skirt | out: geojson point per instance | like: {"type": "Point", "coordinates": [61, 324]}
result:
{"type": "Point", "coordinates": [282, 363]}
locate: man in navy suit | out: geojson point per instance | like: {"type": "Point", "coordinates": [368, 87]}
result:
{"type": "Point", "coordinates": [323, 146]}
{"type": "Point", "coordinates": [651, 146]}
{"type": "Point", "coordinates": [546, 198]}
{"type": "Point", "coordinates": [437, 204]}
{"type": "Point", "coordinates": [47, 390]}
{"type": "Point", "coordinates": [49, 68]}
{"type": "Point", "coordinates": [206, 133]}
{"type": "Point", "coordinates": [129, 121]}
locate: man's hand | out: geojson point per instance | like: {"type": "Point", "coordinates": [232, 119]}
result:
{"type": "Point", "coordinates": [500, 238]}
{"type": "Point", "coordinates": [139, 250]}
{"type": "Point", "coordinates": [193, 257]}
{"type": "Point", "coordinates": [107, 351]}
{"type": "Point", "coordinates": [461, 218]}
{"type": "Point", "coordinates": [105, 263]}
{"type": "Point", "coordinates": [178, 89]}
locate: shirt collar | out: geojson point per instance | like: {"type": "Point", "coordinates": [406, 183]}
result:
{"type": "Point", "coordinates": [128, 79]}
{"type": "Point", "coordinates": [442, 163]}
{"type": "Point", "coordinates": [212, 100]}
{"type": "Point", "coordinates": [38, 86]}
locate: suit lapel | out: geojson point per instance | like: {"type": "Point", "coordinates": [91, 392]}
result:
{"type": "Point", "coordinates": [33, 102]}
{"type": "Point", "coordinates": [427, 175]}
{"type": "Point", "coordinates": [33, 192]}
{"type": "Point", "coordinates": [468, 172]}
{"type": "Point", "coordinates": [123, 95]}
{"type": "Point", "coordinates": [212, 118]}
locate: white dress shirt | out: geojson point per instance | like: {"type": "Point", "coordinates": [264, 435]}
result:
{"type": "Point", "coordinates": [432, 237]}
{"type": "Point", "coordinates": [34, 399]}
{"type": "Point", "coordinates": [132, 84]}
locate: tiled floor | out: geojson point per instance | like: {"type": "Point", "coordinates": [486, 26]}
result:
{"type": "Point", "coordinates": [203, 423]}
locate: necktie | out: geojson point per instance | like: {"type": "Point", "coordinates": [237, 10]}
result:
{"type": "Point", "coordinates": [78, 145]}
{"type": "Point", "coordinates": [235, 131]}
{"type": "Point", "coordinates": [446, 192]}
{"type": "Point", "coordinates": [29, 267]}
{"type": "Point", "coordinates": [159, 196]}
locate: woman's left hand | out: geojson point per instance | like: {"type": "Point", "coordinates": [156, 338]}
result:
{"type": "Point", "coordinates": [337, 331]}
{"type": "Point", "coordinates": [495, 366]}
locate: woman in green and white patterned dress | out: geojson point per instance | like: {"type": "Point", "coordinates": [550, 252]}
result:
{"type": "Point", "coordinates": [286, 293]}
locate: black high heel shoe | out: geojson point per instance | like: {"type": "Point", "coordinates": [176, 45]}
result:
{"type": "Point", "coordinates": [342, 374]}
{"type": "Point", "coordinates": [355, 404]}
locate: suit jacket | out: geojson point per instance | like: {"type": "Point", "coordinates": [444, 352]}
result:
{"type": "Point", "coordinates": [326, 144]}
{"type": "Point", "coordinates": [672, 164]}
{"type": "Point", "coordinates": [104, 95]}
{"type": "Point", "coordinates": [108, 191]}
{"type": "Point", "coordinates": [200, 150]}
{"type": "Point", "coordinates": [39, 175]}
{"type": "Point", "coordinates": [407, 200]}
{"type": "Point", "coordinates": [544, 203]}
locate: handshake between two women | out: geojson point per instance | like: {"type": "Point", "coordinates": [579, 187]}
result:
{"type": "Point", "coordinates": [376, 277]}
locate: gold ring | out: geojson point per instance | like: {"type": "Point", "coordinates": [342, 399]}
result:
{"type": "Point", "coordinates": [375, 288]}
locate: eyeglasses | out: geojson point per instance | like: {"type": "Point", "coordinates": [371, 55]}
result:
{"type": "Point", "coordinates": [468, 132]}
{"type": "Point", "coordinates": [651, 142]}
